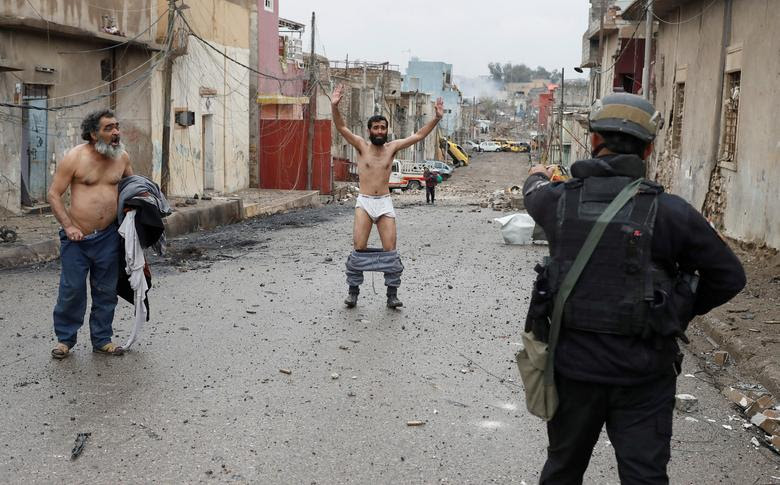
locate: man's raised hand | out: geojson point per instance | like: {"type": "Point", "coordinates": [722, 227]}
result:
{"type": "Point", "coordinates": [338, 92]}
{"type": "Point", "coordinates": [439, 108]}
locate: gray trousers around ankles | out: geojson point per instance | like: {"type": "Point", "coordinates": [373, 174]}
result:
{"type": "Point", "coordinates": [374, 259]}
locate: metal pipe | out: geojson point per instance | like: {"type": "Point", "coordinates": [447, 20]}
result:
{"type": "Point", "coordinates": [648, 44]}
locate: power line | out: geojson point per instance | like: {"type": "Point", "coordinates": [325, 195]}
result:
{"type": "Point", "coordinates": [686, 20]}
{"type": "Point", "coordinates": [143, 77]}
{"type": "Point", "coordinates": [266, 75]}
{"type": "Point", "coordinates": [121, 43]}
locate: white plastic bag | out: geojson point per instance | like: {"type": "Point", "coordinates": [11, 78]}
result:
{"type": "Point", "coordinates": [516, 228]}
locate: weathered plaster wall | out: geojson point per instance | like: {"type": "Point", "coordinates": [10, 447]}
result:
{"type": "Point", "coordinates": [748, 200]}
{"type": "Point", "coordinates": [76, 79]}
{"type": "Point", "coordinates": [200, 69]}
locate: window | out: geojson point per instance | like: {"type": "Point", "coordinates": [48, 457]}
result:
{"type": "Point", "coordinates": [677, 118]}
{"type": "Point", "coordinates": [269, 5]}
{"type": "Point", "coordinates": [728, 140]}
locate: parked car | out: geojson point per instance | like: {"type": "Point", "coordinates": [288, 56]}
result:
{"type": "Point", "coordinates": [440, 167]}
{"type": "Point", "coordinates": [472, 146]}
{"type": "Point", "coordinates": [489, 146]}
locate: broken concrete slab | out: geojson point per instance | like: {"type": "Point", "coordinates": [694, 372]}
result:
{"type": "Point", "coordinates": [737, 397]}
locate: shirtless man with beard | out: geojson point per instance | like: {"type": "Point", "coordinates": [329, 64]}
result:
{"type": "Point", "coordinates": [89, 242]}
{"type": "Point", "coordinates": [374, 205]}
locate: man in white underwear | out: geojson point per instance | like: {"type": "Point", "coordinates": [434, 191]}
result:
{"type": "Point", "coordinates": [374, 205]}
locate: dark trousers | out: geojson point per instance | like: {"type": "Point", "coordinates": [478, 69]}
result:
{"type": "Point", "coordinates": [429, 193]}
{"type": "Point", "coordinates": [97, 255]}
{"type": "Point", "coordinates": [638, 421]}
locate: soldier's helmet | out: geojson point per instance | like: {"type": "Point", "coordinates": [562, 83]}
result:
{"type": "Point", "coordinates": [625, 113]}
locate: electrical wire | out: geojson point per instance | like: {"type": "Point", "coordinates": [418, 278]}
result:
{"type": "Point", "coordinates": [686, 20]}
{"type": "Point", "coordinates": [143, 77]}
{"type": "Point", "coordinates": [119, 44]}
{"type": "Point", "coordinates": [263, 74]}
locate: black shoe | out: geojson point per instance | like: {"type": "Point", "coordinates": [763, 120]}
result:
{"type": "Point", "coordinates": [394, 302]}
{"type": "Point", "coordinates": [352, 297]}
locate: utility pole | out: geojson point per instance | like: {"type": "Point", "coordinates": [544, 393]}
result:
{"type": "Point", "coordinates": [602, 12]}
{"type": "Point", "coordinates": [165, 171]}
{"type": "Point", "coordinates": [312, 108]}
{"type": "Point", "coordinates": [648, 44]}
{"type": "Point", "coordinates": [561, 116]}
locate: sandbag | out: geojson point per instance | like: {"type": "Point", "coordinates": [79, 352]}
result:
{"type": "Point", "coordinates": [516, 228]}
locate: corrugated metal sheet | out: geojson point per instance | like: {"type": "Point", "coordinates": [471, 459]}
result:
{"type": "Point", "coordinates": [283, 155]}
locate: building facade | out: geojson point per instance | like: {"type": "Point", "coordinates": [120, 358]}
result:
{"type": "Point", "coordinates": [60, 60]}
{"type": "Point", "coordinates": [435, 78]}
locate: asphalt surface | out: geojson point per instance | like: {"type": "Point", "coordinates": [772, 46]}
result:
{"type": "Point", "coordinates": [202, 396]}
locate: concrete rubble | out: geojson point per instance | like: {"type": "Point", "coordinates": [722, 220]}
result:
{"type": "Point", "coordinates": [762, 410]}
{"type": "Point", "coordinates": [508, 199]}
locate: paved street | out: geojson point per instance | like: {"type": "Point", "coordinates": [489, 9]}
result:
{"type": "Point", "coordinates": [201, 397]}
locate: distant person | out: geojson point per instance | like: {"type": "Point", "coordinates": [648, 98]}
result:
{"type": "Point", "coordinates": [656, 265]}
{"type": "Point", "coordinates": [431, 179]}
{"type": "Point", "coordinates": [374, 205]}
{"type": "Point", "coordinates": [89, 242]}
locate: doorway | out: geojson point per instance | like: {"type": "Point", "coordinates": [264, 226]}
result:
{"type": "Point", "coordinates": [207, 151]}
{"type": "Point", "coordinates": [35, 149]}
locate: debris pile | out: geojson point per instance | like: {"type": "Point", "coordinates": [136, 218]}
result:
{"type": "Point", "coordinates": [761, 409]}
{"type": "Point", "coordinates": [509, 199]}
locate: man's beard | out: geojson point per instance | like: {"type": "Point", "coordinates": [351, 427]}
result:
{"type": "Point", "coordinates": [109, 150]}
{"type": "Point", "coordinates": [378, 140]}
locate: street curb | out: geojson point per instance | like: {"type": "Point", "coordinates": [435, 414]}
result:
{"type": "Point", "coordinates": [187, 220]}
{"type": "Point", "coordinates": [765, 370]}
{"type": "Point", "coordinates": [305, 201]}
{"type": "Point", "coordinates": [38, 252]}
{"type": "Point", "coordinates": [184, 221]}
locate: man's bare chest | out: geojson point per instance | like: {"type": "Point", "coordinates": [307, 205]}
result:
{"type": "Point", "coordinates": [96, 173]}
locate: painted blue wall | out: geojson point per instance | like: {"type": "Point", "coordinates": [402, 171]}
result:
{"type": "Point", "coordinates": [432, 76]}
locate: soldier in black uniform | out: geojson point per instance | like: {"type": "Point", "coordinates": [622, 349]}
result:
{"type": "Point", "coordinates": [617, 358]}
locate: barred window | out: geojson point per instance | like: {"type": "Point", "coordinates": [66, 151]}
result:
{"type": "Point", "coordinates": [728, 140]}
{"type": "Point", "coordinates": [677, 120]}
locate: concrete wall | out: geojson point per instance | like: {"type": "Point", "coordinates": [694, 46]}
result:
{"type": "Point", "coordinates": [216, 89]}
{"type": "Point", "coordinates": [76, 78]}
{"type": "Point", "coordinates": [741, 197]}
{"type": "Point", "coordinates": [84, 17]}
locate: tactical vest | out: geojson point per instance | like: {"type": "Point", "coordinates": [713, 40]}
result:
{"type": "Point", "coordinates": [620, 289]}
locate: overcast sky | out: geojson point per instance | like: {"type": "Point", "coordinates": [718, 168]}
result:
{"type": "Point", "coordinates": [466, 34]}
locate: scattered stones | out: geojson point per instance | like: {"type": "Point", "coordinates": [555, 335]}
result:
{"type": "Point", "coordinates": [415, 423]}
{"type": "Point", "coordinates": [771, 426]}
{"type": "Point", "coordinates": [686, 403]}
{"type": "Point", "coordinates": [285, 371]}
{"type": "Point", "coordinates": [334, 376]}
{"type": "Point", "coordinates": [760, 405]}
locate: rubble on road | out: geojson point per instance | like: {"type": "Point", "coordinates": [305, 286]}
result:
{"type": "Point", "coordinates": [686, 403]}
{"type": "Point", "coordinates": [761, 409]}
{"type": "Point", "coordinates": [508, 199]}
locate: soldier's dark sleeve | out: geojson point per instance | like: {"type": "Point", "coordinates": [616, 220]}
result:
{"type": "Point", "coordinates": [540, 197]}
{"type": "Point", "coordinates": [701, 249]}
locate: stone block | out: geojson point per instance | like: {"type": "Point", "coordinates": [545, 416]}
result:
{"type": "Point", "coordinates": [761, 404]}
{"type": "Point", "coordinates": [720, 357]}
{"type": "Point", "coordinates": [768, 425]}
{"type": "Point", "coordinates": [737, 397]}
{"type": "Point", "coordinates": [686, 403]}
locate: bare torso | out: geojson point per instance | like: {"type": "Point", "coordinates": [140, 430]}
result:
{"type": "Point", "coordinates": [94, 188]}
{"type": "Point", "coordinates": [374, 166]}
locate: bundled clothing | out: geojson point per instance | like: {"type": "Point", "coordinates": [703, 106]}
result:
{"type": "Point", "coordinates": [140, 211]}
